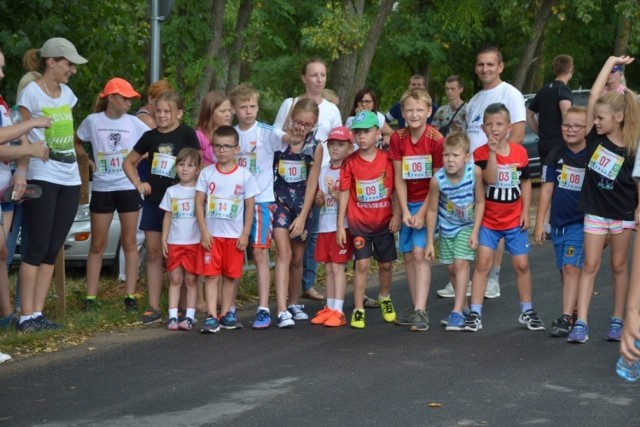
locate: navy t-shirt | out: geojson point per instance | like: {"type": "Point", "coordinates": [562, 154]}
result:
{"type": "Point", "coordinates": [565, 169]}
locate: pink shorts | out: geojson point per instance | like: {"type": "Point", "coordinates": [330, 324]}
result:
{"type": "Point", "coordinates": [183, 255]}
{"type": "Point", "coordinates": [223, 258]}
{"type": "Point", "coordinates": [327, 249]}
{"type": "Point", "coordinates": [598, 225]}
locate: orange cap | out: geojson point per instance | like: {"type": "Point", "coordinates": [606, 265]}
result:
{"type": "Point", "coordinates": [121, 87]}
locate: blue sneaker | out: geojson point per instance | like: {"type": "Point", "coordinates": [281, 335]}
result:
{"type": "Point", "coordinates": [211, 326]}
{"type": "Point", "coordinates": [285, 320]}
{"type": "Point", "coordinates": [579, 333]}
{"type": "Point", "coordinates": [615, 329]}
{"type": "Point", "coordinates": [263, 320]}
{"type": "Point", "coordinates": [455, 322]}
{"type": "Point", "coordinates": [445, 320]}
{"type": "Point", "coordinates": [229, 321]}
{"type": "Point", "coordinates": [28, 325]}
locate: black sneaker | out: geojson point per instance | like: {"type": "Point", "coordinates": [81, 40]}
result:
{"type": "Point", "coordinates": [90, 304]}
{"type": "Point", "coordinates": [531, 320]}
{"type": "Point", "coordinates": [130, 305]}
{"type": "Point", "coordinates": [561, 326]}
{"type": "Point", "coordinates": [27, 326]}
{"type": "Point", "coordinates": [151, 316]}
{"type": "Point", "coordinates": [473, 322]}
{"type": "Point", "coordinates": [45, 324]}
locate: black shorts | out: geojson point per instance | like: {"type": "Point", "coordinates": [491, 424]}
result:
{"type": "Point", "coordinates": [109, 201]}
{"type": "Point", "coordinates": [152, 217]}
{"type": "Point", "coordinates": [381, 246]}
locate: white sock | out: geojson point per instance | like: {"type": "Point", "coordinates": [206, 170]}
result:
{"type": "Point", "coordinates": [338, 304]}
{"type": "Point", "coordinates": [232, 308]}
{"type": "Point", "coordinates": [264, 308]}
{"type": "Point", "coordinates": [191, 313]}
{"type": "Point", "coordinates": [36, 314]}
{"type": "Point", "coordinates": [331, 303]}
{"type": "Point", "coordinates": [173, 312]}
{"type": "Point", "coordinates": [24, 319]}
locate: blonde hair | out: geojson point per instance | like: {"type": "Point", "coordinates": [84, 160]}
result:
{"type": "Point", "coordinates": [306, 105]}
{"type": "Point", "coordinates": [575, 110]}
{"type": "Point", "coordinates": [26, 79]}
{"type": "Point", "coordinates": [418, 94]}
{"type": "Point", "coordinates": [457, 140]}
{"type": "Point", "coordinates": [243, 92]}
{"type": "Point", "coordinates": [330, 96]}
{"type": "Point", "coordinates": [32, 61]}
{"type": "Point", "coordinates": [626, 104]}
{"type": "Point", "coordinates": [189, 153]}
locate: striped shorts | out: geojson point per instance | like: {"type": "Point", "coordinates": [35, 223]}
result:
{"type": "Point", "coordinates": [452, 248]}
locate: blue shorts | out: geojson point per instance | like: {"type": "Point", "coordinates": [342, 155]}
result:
{"type": "Point", "coordinates": [7, 206]}
{"type": "Point", "coordinates": [568, 243]}
{"type": "Point", "coordinates": [516, 240]}
{"type": "Point", "coordinates": [260, 234]}
{"type": "Point", "coordinates": [410, 238]}
{"type": "Point", "coordinates": [152, 217]}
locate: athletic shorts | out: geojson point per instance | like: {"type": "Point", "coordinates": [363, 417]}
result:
{"type": "Point", "coordinates": [328, 250]}
{"type": "Point", "coordinates": [152, 217]}
{"type": "Point", "coordinates": [382, 247]}
{"type": "Point", "coordinates": [185, 256]}
{"type": "Point", "coordinates": [7, 206]}
{"type": "Point", "coordinates": [516, 240]}
{"type": "Point", "coordinates": [410, 237]}
{"type": "Point", "coordinates": [283, 217]}
{"type": "Point", "coordinates": [598, 225]}
{"type": "Point", "coordinates": [568, 243]}
{"type": "Point", "coordinates": [109, 201]}
{"type": "Point", "coordinates": [224, 259]}
{"type": "Point", "coordinates": [260, 234]}
{"type": "Point", "coordinates": [452, 248]}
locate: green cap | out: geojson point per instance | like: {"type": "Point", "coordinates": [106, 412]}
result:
{"type": "Point", "coordinates": [365, 120]}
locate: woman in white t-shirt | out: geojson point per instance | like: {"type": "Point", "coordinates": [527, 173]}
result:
{"type": "Point", "coordinates": [112, 134]}
{"type": "Point", "coordinates": [50, 217]}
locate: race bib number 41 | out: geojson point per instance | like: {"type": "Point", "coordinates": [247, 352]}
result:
{"type": "Point", "coordinates": [111, 162]}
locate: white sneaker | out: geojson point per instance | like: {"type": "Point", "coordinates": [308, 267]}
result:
{"type": "Point", "coordinates": [448, 292]}
{"type": "Point", "coordinates": [297, 313]}
{"type": "Point", "coordinates": [4, 357]}
{"type": "Point", "coordinates": [285, 320]}
{"type": "Point", "coordinates": [493, 289]}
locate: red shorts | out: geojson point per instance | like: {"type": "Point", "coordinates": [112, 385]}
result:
{"type": "Point", "coordinates": [183, 255]}
{"type": "Point", "coordinates": [327, 249]}
{"type": "Point", "coordinates": [223, 258]}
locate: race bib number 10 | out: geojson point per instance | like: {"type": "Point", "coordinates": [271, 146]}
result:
{"type": "Point", "coordinates": [292, 170]}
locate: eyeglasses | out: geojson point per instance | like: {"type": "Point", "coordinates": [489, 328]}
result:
{"type": "Point", "coordinates": [223, 148]}
{"type": "Point", "coordinates": [572, 127]}
{"type": "Point", "coordinates": [303, 124]}
{"type": "Point", "coordinates": [365, 101]}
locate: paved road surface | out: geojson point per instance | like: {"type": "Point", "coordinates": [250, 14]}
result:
{"type": "Point", "coordinates": [503, 375]}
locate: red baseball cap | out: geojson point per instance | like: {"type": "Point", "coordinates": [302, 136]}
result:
{"type": "Point", "coordinates": [121, 87]}
{"type": "Point", "coordinates": [341, 133]}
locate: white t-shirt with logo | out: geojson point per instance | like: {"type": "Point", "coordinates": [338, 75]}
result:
{"type": "Point", "coordinates": [62, 166]}
{"type": "Point", "coordinates": [257, 145]}
{"type": "Point", "coordinates": [5, 165]}
{"type": "Point", "coordinates": [111, 140]}
{"type": "Point", "coordinates": [328, 219]}
{"type": "Point", "coordinates": [180, 201]}
{"type": "Point", "coordinates": [503, 93]}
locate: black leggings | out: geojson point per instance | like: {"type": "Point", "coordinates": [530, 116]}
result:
{"type": "Point", "coordinates": [49, 220]}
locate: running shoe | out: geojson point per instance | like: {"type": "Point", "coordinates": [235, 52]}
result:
{"type": "Point", "coordinates": [531, 320]}
{"type": "Point", "coordinates": [449, 292]}
{"type": "Point", "coordinates": [419, 321]}
{"type": "Point", "coordinates": [285, 319]}
{"type": "Point", "coordinates": [4, 357]}
{"type": "Point", "coordinates": [561, 326]}
{"type": "Point", "coordinates": [615, 329]}
{"type": "Point", "coordinates": [386, 307]}
{"type": "Point", "coordinates": [493, 289]}
{"type": "Point", "coordinates": [322, 316]}
{"type": "Point", "coordinates": [405, 318]}
{"type": "Point", "coordinates": [579, 333]}
{"type": "Point", "coordinates": [455, 322]}
{"type": "Point", "coordinates": [445, 321]}
{"type": "Point", "coordinates": [357, 319]}
{"type": "Point", "coordinates": [45, 324]}
{"type": "Point", "coordinates": [297, 313]}
{"type": "Point", "coordinates": [187, 324]}
{"type": "Point", "coordinates": [172, 324]}
{"type": "Point", "coordinates": [151, 316]}
{"type": "Point", "coordinates": [263, 320]}
{"type": "Point", "coordinates": [130, 305]}
{"type": "Point", "coordinates": [28, 325]}
{"type": "Point", "coordinates": [230, 321]}
{"type": "Point", "coordinates": [337, 319]}
{"type": "Point", "coordinates": [211, 326]}
{"type": "Point", "coordinates": [473, 322]}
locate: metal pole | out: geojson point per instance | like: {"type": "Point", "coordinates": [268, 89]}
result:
{"type": "Point", "coordinates": [155, 42]}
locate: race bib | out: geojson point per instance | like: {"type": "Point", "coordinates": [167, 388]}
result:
{"type": "Point", "coordinates": [221, 208]}
{"type": "Point", "coordinates": [465, 214]}
{"type": "Point", "coordinates": [111, 162]}
{"type": "Point", "coordinates": [507, 177]}
{"type": "Point", "coordinates": [371, 190]}
{"type": "Point", "coordinates": [571, 178]}
{"type": "Point", "coordinates": [163, 165]}
{"type": "Point", "coordinates": [330, 206]}
{"type": "Point", "coordinates": [416, 167]}
{"type": "Point", "coordinates": [606, 162]}
{"type": "Point", "coordinates": [292, 170]}
{"type": "Point", "coordinates": [247, 160]}
{"type": "Point", "coordinates": [182, 208]}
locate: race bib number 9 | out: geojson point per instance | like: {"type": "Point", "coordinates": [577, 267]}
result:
{"type": "Point", "coordinates": [292, 171]}
{"type": "Point", "coordinates": [606, 162]}
{"type": "Point", "coordinates": [247, 160]}
{"type": "Point", "coordinates": [417, 167]}
{"type": "Point", "coordinates": [111, 162]}
{"type": "Point", "coordinates": [221, 208]}
{"type": "Point", "coordinates": [182, 208]}
{"type": "Point", "coordinates": [163, 165]}
{"type": "Point", "coordinates": [507, 177]}
{"type": "Point", "coordinates": [571, 178]}
{"type": "Point", "coordinates": [371, 190]}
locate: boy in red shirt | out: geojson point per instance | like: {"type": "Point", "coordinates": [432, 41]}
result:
{"type": "Point", "coordinates": [366, 189]}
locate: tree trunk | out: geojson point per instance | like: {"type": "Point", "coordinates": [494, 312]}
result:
{"type": "Point", "coordinates": [535, 75]}
{"type": "Point", "coordinates": [216, 11]}
{"type": "Point", "coordinates": [244, 14]}
{"type": "Point", "coordinates": [623, 32]}
{"type": "Point", "coordinates": [371, 42]}
{"type": "Point", "coordinates": [539, 24]}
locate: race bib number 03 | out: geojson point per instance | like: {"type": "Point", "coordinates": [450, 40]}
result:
{"type": "Point", "coordinates": [371, 190]}
{"type": "Point", "coordinates": [571, 178]}
{"type": "Point", "coordinates": [163, 165]}
{"type": "Point", "coordinates": [111, 162]}
{"type": "Point", "coordinates": [292, 171]}
{"type": "Point", "coordinates": [606, 162]}
{"type": "Point", "coordinates": [417, 167]}
{"type": "Point", "coordinates": [507, 177]}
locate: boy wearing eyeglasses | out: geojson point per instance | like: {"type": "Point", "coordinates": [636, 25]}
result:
{"type": "Point", "coordinates": [562, 177]}
{"type": "Point", "coordinates": [224, 209]}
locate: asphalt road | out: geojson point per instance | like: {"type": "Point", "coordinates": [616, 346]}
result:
{"type": "Point", "coordinates": [503, 375]}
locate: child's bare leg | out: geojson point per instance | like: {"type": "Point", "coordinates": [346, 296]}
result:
{"type": "Point", "coordinates": [422, 268]}
{"type": "Point", "coordinates": [339, 281]}
{"type": "Point", "coordinates": [176, 277]}
{"type": "Point", "coordinates": [191, 282]}
{"type": "Point", "coordinates": [570, 284]}
{"type": "Point", "coordinates": [283, 259]}
{"type": "Point", "coordinates": [619, 267]}
{"type": "Point", "coordinates": [593, 245]}
{"type": "Point", "coordinates": [410, 270]}
{"type": "Point", "coordinates": [360, 282]}
{"type": "Point", "coordinates": [263, 275]}
{"type": "Point", "coordinates": [330, 283]}
{"type": "Point", "coordinates": [228, 294]}
{"type": "Point", "coordinates": [484, 258]}
{"type": "Point", "coordinates": [460, 282]}
{"type": "Point", "coordinates": [201, 304]}
{"type": "Point", "coordinates": [295, 271]}
{"type": "Point", "coordinates": [154, 267]}
{"type": "Point", "coordinates": [211, 294]}
{"type": "Point", "coordinates": [384, 276]}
